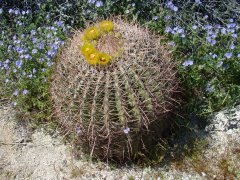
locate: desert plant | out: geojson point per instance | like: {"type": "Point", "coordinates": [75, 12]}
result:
{"type": "Point", "coordinates": [119, 109]}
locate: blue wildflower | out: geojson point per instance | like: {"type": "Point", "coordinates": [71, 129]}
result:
{"type": "Point", "coordinates": [168, 29]}
{"type": "Point", "coordinates": [126, 130]}
{"type": "Point", "coordinates": [15, 93]}
{"type": "Point", "coordinates": [231, 25]}
{"type": "Point", "coordinates": [78, 130]}
{"type": "Point", "coordinates": [228, 55]}
{"type": "Point", "coordinates": [27, 56]}
{"type": "Point", "coordinates": [34, 40]}
{"type": "Point", "coordinates": [234, 35]}
{"type": "Point", "coordinates": [34, 70]}
{"type": "Point", "coordinates": [59, 23]}
{"type": "Point", "coordinates": [91, 1]}
{"type": "Point", "coordinates": [238, 55]}
{"type": "Point", "coordinates": [155, 18]}
{"type": "Point", "coordinates": [99, 3]}
{"type": "Point", "coordinates": [1, 10]}
{"type": "Point", "coordinates": [10, 11]}
{"type": "Point", "coordinates": [25, 92]}
{"type": "Point", "coordinates": [19, 23]}
{"type": "Point", "coordinates": [40, 45]}
{"type": "Point", "coordinates": [171, 43]}
{"type": "Point", "coordinates": [209, 87]}
{"type": "Point", "coordinates": [49, 36]}
{"type": "Point", "coordinates": [232, 46]}
{"type": "Point", "coordinates": [213, 41]}
{"type": "Point", "coordinates": [223, 31]}
{"type": "Point", "coordinates": [208, 27]}
{"type": "Point", "coordinates": [167, 17]}
{"type": "Point", "coordinates": [194, 27]}
{"type": "Point", "coordinates": [19, 63]}
{"type": "Point", "coordinates": [198, 2]}
{"type": "Point", "coordinates": [187, 63]}
{"type": "Point", "coordinates": [16, 12]}
{"type": "Point", "coordinates": [33, 32]}
{"type": "Point", "coordinates": [175, 8]}
{"type": "Point", "coordinates": [214, 56]}
{"type": "Point", "coordinates": [34, 51]}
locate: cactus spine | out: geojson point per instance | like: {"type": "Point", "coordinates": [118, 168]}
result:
{"type": "Point", "coordinates": [115, 106]}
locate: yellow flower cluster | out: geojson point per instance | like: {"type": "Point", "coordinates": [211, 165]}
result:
{"type": "Point", "coordinates": [92, 56]}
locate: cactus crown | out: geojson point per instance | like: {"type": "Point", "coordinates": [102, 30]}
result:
{"type": "Point", "coordinates": [120, 108]}
{"type": "Point", "coordinates": [102, 44]}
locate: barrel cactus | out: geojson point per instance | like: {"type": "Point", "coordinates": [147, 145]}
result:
{"type": "Point", "coordinates": [116, 109]}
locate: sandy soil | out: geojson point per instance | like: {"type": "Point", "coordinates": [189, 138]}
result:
{"type": "Point", "coordinates": [41, 156]}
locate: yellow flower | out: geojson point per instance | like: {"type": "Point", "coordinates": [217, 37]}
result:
{"type": "Point", "coordinates": [87, 48]}
{"type": "Point", "coordinates": [106, 26]}
{"type": "Point", "coordinates": [93, 58]}
{"type": "Point", "coordinates": [104, 59]}
{"type": "Point", "coordinates": [92, 33]}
